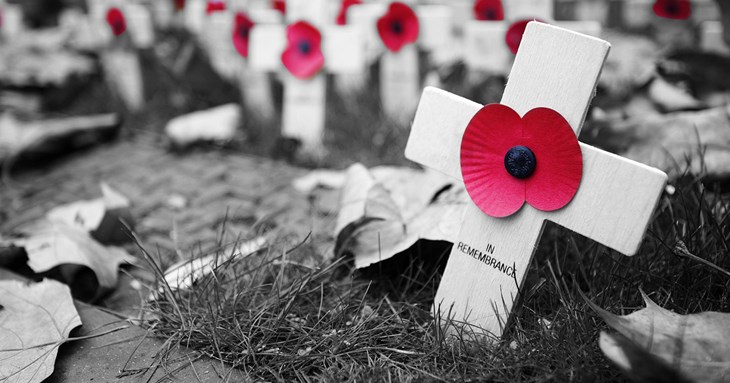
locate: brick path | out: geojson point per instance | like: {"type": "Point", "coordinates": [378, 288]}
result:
{"type": "Point", "coordinates": [212, 183]}
{"type": "Point", "coordinates": [255, 193]}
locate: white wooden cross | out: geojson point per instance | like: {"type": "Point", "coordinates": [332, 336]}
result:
{"type": "Point", "coordinates": [485, 49]}
{"type": "Point", "coordinates": [139, 23]}
{"type": "Point", "coordinates": [712, 39]}
{"type": "Point", "coordinates": [558, 69]}
{"type": "Point", "coordinates": [218, 43]}
{"type": "Point", "coordinates": [254, 85]}
{"type": "Point", "coordinates": [122, 68]}
{"type": "Point", "coordinates": [485, 46]}
{"type": "Point", "coordinates": [304, 100]}
{"type": "Point", "coordinates": [12, 20]}
{"type": "Point", "coordinates": [399, 81]}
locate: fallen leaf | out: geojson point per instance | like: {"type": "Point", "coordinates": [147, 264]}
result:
{"type": "Point", "coordinates": [695, 345]}
{"type": "Point", "coordinates": [672, 98]}
{"type": "Point", "coordinates": [637, 362]}
{"type": "Point", "coordinates": [35, 320]}
{"type": "Point", "coordinates": [184, 274]}
{"type": "Point", "coordinates": [218, 124]}
{"type": "Point", "coordinates": [103, 218]}
{"type": "Point", "coordinates": [53, 136]}
{"type": "Point", "coordinates": [50, 244]}
{"type": "Point", "coordinates": [382, 217]}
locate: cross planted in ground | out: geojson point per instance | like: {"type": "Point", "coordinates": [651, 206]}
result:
{"type": "Point", "coordinates": [304, 100]}
{"type": "Point", "coordinates": [557, 69]}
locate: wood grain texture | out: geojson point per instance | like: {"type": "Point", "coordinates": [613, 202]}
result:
{"type": "Point", "coordinates": [558, 69]}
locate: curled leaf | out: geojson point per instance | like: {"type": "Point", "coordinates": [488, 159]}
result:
{"type": "Point", "coordinates": [697, 346]}
{"type": "Point", "coordinates": [34, 321]}
{"type": "Point", "coordinates": [183, 275]}
{"type": "Point", "coordinates": [50, 244]}
{"type": "Point", "coordinates": [386, 211]}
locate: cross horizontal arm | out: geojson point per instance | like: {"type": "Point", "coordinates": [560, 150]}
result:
{"type": "Point", "coordinates": [343, 48]}
{"type": "Point", "coordinates": [571, 65]}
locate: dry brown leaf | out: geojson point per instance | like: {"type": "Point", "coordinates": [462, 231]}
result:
{"type": "Point", "coordinates": [184, 274]}
{"type": "Point", "coordinates": [696, 345]}
{"type": "Point", "coordinates": [34, 321]}
{"type": "Point", "coordinates": [101, 217]}
{"type": "Point", "coordinates": [50, 244]}
{"type": "Point", "coordinates": [384, 215]}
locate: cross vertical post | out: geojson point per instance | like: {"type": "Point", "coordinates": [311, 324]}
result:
{"type": "Point", "coordinates": [557, 69]}
{"type": "Point", "coordinates": [304, 99]}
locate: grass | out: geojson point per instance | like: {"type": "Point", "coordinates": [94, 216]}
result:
{"type": "Point", "coordinates": [279, 320]}
{"type": "Point", "coordinates": [294, 315]}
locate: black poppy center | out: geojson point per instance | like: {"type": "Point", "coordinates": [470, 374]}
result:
{"type": "Point", "coordinates": [490, 14]}
{"type": "Point", "coordinates": [672, 8]}
{"type": "Point", "coordinates": [520, 162]}
{"type": "Point", "coordinates": [396, 27]}
{"type": "Point", "coordinates": [305, 47]}
{"type": "Point", "coordinates": [243, 31]}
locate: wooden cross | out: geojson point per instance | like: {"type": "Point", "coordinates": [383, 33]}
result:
{"type": "Point", "coordinates": [304, 100]}
{"type": "Point", "coordinates": [711, 37]}
{"type": "Point", "coordinates": [557, 69]}
{"type": "Point", "coordinates": [218, 43]}
{"type": "Point", "coordinates": [254, 85]}
{"type": "Point", "coordinates": [139, 22]}
{"type": "Point", "coordinates": [484, 41]}
{"type": "Point", "coordinates": [485, 46]}
{"type": "Point", "coordinates": [12, 20]}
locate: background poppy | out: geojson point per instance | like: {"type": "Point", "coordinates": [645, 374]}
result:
{"type": "Point", "coordinates": [398, 27]}
{"type": "Point", "coordinates": [115, 19]}
{"type": "Point", "coordinates": [303, 55]}
{"type": "Point", "coordinates": [241, 33]}
{"type": "Point", "coordinates": [488, 10]}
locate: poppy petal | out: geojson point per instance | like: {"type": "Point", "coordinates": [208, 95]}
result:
{"type": "Point", "coordinates": [488, 10]}
{"type": "Point", "coordinates": [673, 9]}
{"type": "Point", "coordinates": [302, 67]}
{"type": "Point", "coordinates": [117, 22]}
{"type": "Point", "coordinates": [215, 6]}
{"type": "Point", "coordinates": [342, 15]}
{"type": "Point", "coordinates": [490, 134]}
{"type": "Point", "coordinates": [559, 168]}
{"type": "Point", "coordinates": [515, 32]}
{"type": "Point", "coordinates": [241, 31]}
{"type": "Point", "coordinates": [279, 5]}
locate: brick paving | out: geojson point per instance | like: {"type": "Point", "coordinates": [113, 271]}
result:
{"type": "Point", "coordinates": [246, 193]}
{"type": "Point", "coordinates": [250, 195]}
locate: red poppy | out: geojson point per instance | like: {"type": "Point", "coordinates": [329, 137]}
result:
{"type": "Point", "coordinates": [673, 9]}
{"type": "Point", "coordinates": [398, 27]}
{"type": "Point", "coordinates": [179, 4]}
{"type": "Point", "coordinates": [515, 32]}
{"type": "Point", "coordinates": [303, 55]}
{"type": "Point", "coordinates": [241, 31]}
{"type": "Point", "coordinates": [507, 160]}
{"type": "Point", "coordinates": [115, 19]}
{"type": "Point", "coordinates": [488, 10]}
{"type": "Point", "coordinates": [279, 5]}
{"type": "Point", "coordinates": [342, 15]}
{"type": "Point", "coordinates": [215, 6]}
